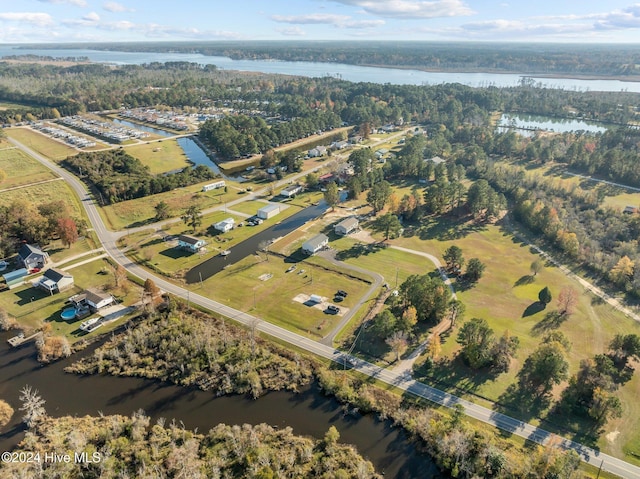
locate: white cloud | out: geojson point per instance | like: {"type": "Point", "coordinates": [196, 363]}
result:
{"type": "Point", "coordinates": [78, 3]}
{"type": "Point", "coordinates": [116, 7]}
{"type": "Point", "coordinates": [91, 17]}
{"type": "Point", "coordinates": [621, 19]}
{"type": "Point", "coordinates": [33, 18]}
{"type": "Point", "coordinates": [291, 31]}
{"type": "Point", "coordinates": [312, 18]}
{"type": "Point", "coordinates": [411, 9]}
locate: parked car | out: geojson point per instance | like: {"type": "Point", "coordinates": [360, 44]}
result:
{"type": "Point", "coordinates": [331, 309]}
{"type": "Point", "coordinates": [338, 299]}
{"type": "Point", "coordinates": [341, 293]}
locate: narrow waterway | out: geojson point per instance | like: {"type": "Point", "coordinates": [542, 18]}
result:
{"type": "Point", "coordinates": [249, 246]}
{"type": "Point", "coordinates": [139, 126]}
{"type": "Point", "coordinates": [308, 412]}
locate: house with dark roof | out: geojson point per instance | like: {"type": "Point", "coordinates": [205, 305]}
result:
{"type": "Point", "coordinates": [92, 298]}
{"type": "Point", "coordinates": [32, 257]}
{"type": "Point", "coordinates": [55, 280]}
{"type": "Point", "coordinates": [190, 243]}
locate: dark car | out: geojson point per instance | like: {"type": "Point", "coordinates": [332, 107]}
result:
{"type": "Point", "coordinates": [341, 293]}
{"type": "Point", "coordinates": [331, 309]}
{"type": "Point", "coordinates": [338, 299]}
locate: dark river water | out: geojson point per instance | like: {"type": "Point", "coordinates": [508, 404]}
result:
{"type": "Point", "coordinates": [250, 246]}
{"type": "Point", "coordinates": [308, 412]}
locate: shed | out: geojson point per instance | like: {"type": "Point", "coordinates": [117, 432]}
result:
{"type": "Point", "coordinates": [347, 225]}
{"type": "Point", "coordinates": [314, 298]}
{"type": "Point", "coordinates": [15, 278]}
{"type": "Point", "coordinates": [268, 211]}
{"type": "Point", "coordinates": [315, 244]}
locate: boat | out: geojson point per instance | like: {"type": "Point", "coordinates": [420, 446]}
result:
{"type": "Point", "coordinates": [91, 324]}
{"type": "Point", "coordinates": [3, 265]}
{"type": "Point", "coordinates": [225, 252]}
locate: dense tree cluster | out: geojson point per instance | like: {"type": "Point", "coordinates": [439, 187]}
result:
{"type": "Point", "coordinates": [481, 349]}
{"type": "Point", "coordinates": [134, 447]}
{"type": "Point", "coordinates": [205, 352]}
{"type": "Point", "coordinates": [118, 176]}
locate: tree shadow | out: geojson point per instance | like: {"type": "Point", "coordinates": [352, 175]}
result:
{"type": "Point", "coordinates": [449, 227]}
{"type": "Point", "coordinates": [533, 308]}
{"type": "Point", "coordinates": [523, 401]}
{"type": "Point", "coordinates": [551, 320]}
{"type": "Point", "coordinates": [453, 375]}
{"type": "Point", "coordinates": [176, 253]}
{"type": "Point", "coordinates": [360, 249]}
{"type": "Point", "coordinates": [524, 280]}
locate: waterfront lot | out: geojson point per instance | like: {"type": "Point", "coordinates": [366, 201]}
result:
{"type": "Point", "coordinates": [21, 169]}
{"type": "Point", "coordinates": [33, 307]}
{"type": "Point", "coordinates": [160, 156]}
{"type": "Point", "coordinates": [237, 286]}
{"type": "Point", "coordinates": [52, 149]}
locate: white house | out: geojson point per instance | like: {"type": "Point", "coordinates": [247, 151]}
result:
{"type": "Point", "coordinates": [190, 243]}
{"type": "Point", "coordinates": [268, 211]}
{"type": "Point", "coordinates": [213, 186]}
{"type": "Point", "coordinates": [224, 225]}
{"type": "Point", "coordinates": [317, 151]}
{"type": "Point", "coordinates": [55, 280]}
{"type": "Point", "coordinates": [291, 190]}
{"type": "Point", "coordinates": [315, 244]}
{"type": "Point", "coordinates": [91, 298]}
{"type": "Point", "coordinates": [346, 226]}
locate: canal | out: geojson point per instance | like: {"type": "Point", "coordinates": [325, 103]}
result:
{"type": "Point", "coordinates": [249, 246]}
{"type": "Point", "coordinates": [307, 412]}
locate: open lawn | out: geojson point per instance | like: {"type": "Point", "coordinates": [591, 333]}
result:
{"type": "Point", "coordinates": [623, 199]}
{"type": "Point", "coordinates": [138, 212]}
{"type": "Point", "coordinates": [44, 193]}
{"type": "Point", "coordinates": [506, 297]}
{"type": "Point", "coordinates": [40, 143]}
{"type": "Point", "coordinates": [32, 307]}
{"type": "Point", "coordinates": [21, 169]}
{"type": "Point", "coordinates": [160, 157]}
{"type": "Point", "coordinates": [274, 297]}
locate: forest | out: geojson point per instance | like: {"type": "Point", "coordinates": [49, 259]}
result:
{"type": "Point", "coordinates": [117, 176]}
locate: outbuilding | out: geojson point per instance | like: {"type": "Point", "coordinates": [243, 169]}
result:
{"type": "Point", "coordinates": [13, 279]}
{"type": "Point", "coordinates": [291, 191]}
{"type": "Point", "coordinates": [315, 244]}
{"type": "Point", "coordinates": [268, 211]}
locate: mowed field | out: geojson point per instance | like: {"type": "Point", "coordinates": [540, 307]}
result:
{"type": "Point", "coordinates": [44, 193]}
{"type": "Point", "coordinates": [160, 156]}
{"type": "Point", "coordinates": [42, 144]}
{"type": "Point", "coordinates": [506, 296]}
{"type": "Point", "coordinates": [21, 169]}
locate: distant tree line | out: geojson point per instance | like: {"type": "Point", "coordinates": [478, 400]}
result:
{"type": "Point", "coordinates": [118, 176]}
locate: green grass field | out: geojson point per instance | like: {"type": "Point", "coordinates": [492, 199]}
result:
{"type": "Point", "coordinates": [42, 144]}
{"type": "Point", "coordinates": [138, 212]}
{"type": "Point", "coordinates": [274, 298]}
{"type": "Point", "coordinates": [160, 156]}
{"type": "Point", "coordinates": [32, 307]}
{"type": "Point", "coordinates": [506, 297]}
{"type": "Point", "coordinates": [44, 193]}
{"type": "Point", "coordinates": [21, 169]}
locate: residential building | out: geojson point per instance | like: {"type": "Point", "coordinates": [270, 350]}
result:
{"type": "Point", "coordinates": [291, 191]}
{"type": "Point", "coordinates": [190, 243]}
{"type": "Point", "coordinates": [224, 225]}
{"type": "Point", "coordinates": [214, 186]}
{"type": "Point", "coordinates": [91, 298]}
{"type": "Point", "coordinates": [317, 151]}
{"type": "Point", "coordinates": [32, 257]}
{"type": "Point", "coordinates": [347, 226]}
{"type": "Point", "coordinates": [55, 280]}
{"type": "Point", "coordinates": [315, 244]}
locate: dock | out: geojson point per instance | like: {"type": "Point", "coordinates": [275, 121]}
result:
{"type": "Point", "coordinates": [21, 339]}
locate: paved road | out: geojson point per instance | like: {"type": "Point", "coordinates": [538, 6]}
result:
{"type": "Point", "coordinates": [401, 381]}
{"type": "Point", "coordinates": [606, 182]}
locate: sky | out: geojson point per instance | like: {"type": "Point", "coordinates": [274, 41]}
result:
{"type": "Point", "coordinates": [571, 21]}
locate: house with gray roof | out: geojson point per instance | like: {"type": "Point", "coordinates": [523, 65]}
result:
{"type": "Point", "coordinates": [315, 244]}
{"type": "Point", "coordinates": [32, 257]}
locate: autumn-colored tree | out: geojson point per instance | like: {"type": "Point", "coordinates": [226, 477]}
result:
{"type": "Point", "coordinates": [394, 203]}
{"type": "Point", "coordinates": [68, 231]}
{"type": "Point", "coordinates": [6, 413]}
{"type": "Point", "coordinates": [151, 289]}
{"type": "Point", "coordinates": [408, 320]}
{"type": "Point", "coordinates": [435, 347]}
{"type": "Point", "coordinates": [398, 343]}
{"type": "Point", "coordinates": [622, 272]}
{"type": "Point", "coordinates": [567, 300]}
{"type": "Point", "coordinates": [120, 275]}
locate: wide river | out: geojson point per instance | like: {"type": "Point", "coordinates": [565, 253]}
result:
{"type": "Point", "coordinates": [346, 72]}
{"type": "Point", "coordinates": [308, 412]}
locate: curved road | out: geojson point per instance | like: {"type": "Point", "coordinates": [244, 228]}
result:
{"type": "Point", "coordinates": [501, 421]}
